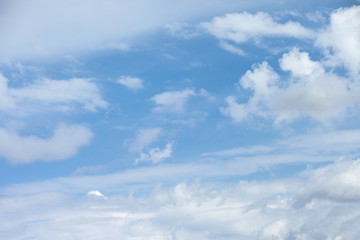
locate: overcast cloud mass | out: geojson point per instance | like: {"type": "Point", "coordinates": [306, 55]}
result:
{"type": "Point", "coordinates": [179, 120]}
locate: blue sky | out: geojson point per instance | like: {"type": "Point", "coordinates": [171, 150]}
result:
{"type": "Point", "coordinates": [187, 120]}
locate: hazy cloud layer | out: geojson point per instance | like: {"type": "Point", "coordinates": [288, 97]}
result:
{"type": "Point", "coordinates": [247, 210]}
{"type": "Point", "coordinates": [69, 27]}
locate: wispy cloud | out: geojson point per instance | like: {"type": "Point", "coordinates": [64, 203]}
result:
{"type": "Point", "coordinates": [175, 101]}
{"type": "Point", "coordinates": [143, 139]}
{"type": "Point", "coordinates": [51, 94]}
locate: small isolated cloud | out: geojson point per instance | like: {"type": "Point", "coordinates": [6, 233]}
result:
{"type": "Point", "coordinates": [54, 94]}
{"type": "Point", "coordinates": [175, 101]}
{"type": "Point", "coordinates": [131, 82]}
{"type": "Point", "coordinates": [342, 36]}
{"type": "Point", "coordinates": [96, 194]}
{"type": "Point", "coordinates": [310, 91]}
{"type": "Point", "coordinates": [63, 144]}
{"type": "Point", "coordinates": [156, 155]}
{"type": "Point", "coordinates": [242, 27]}
{"type": "Point", "coordinates": [143, 139]}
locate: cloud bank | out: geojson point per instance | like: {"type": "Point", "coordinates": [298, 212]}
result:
{"type": "Point", "coordinates": [188, 210]}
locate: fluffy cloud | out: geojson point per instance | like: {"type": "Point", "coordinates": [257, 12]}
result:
{"type": "Point", "coordinates": [53, 94]}
{"type": "Point", "coordinates": [156, 155]}
{"type": "Point", "coordinates": [131, 82]}
{"type": "Point", "coordinates": [342, 36]}
{"type": "Point", "coordinates": [311, 91]}
{"type": "Point", "coordinates": [63, 144]}
{"type": "Point", "coordinates": [201, 210]}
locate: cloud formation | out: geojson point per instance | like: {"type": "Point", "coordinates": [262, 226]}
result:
{"type": "Point", "coordinates": [342, 37]}
{"type": "Point", "coordinates": [188, 210]}
{"type": "Point", "coordinates": [63, 144]}
{"type": "Point", "coordinates": [310, 91]}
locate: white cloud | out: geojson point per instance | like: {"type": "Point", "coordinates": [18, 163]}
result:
{"type": "Point", "coordinates": [343, 37]}
{"type": "Point", "coordinates": [309, 92]}
{"type": "Point", "coordinates": [156, 155]}
{"type": "Point", "coordinates": [131, 82]}
{"type": "Point", "coordinates": [63, 144]}
{"type": "Point", "coordinates": [172, 101]}
{"type": "Point", "coordinates": [92, 24]}
{"type": "Point", "coordinates": [96, 194]}
{"type": "Point", "coordinates": [143, 139]}
{"type": "Point", "coordinates": [242, 27]}
{"type": "Point", "coordinates": [53, 94]}
{"type": "Point", "coordinates": [196, 210]}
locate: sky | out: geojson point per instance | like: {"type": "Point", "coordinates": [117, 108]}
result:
{"type": "Point", "coordinates": [207, 120]}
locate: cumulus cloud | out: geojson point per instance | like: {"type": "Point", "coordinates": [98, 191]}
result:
{"type": "Point", "coordinates": [342, 36]}
{"type": "Point", "coordinates": [54, 94]}
{"type": "Point", "coordinates": [156, 155]}
{"type": "Point", "coordinates": [131, 82]}
{"type": "Point", "coordinates": [310, 91]}
{"type": "Point", "coordinates": [63, 144]}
